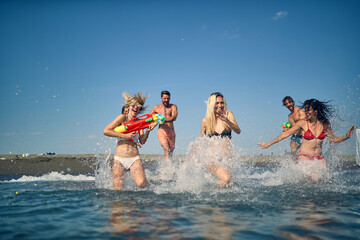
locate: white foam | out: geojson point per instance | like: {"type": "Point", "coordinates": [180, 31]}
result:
{"type": "Point", "coordinates": [190, 173]}
{"type": "Point", "coordinates": [53, 176]}
{"type": "Point", "coordinates": [358, 146]}
{"type": "Point", "coordinates": [103, 172]}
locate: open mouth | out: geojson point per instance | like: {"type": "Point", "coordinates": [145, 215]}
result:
{"type": "Point", "coordinates": [135, 110]}
{"type": "Point", "coordinates": [219, 109]}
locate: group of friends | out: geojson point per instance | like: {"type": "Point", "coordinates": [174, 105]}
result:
{"type": "Point", "coordinates": [310, 125]}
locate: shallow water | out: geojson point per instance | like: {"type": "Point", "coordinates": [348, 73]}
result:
{"type": "Point", "coordinates": [262, 202]}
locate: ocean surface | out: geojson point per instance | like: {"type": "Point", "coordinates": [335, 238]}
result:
{"type": "Point", "coordinates": [263, 201]}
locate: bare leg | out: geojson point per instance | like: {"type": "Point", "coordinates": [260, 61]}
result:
{"type": "Point", "coordinates": [171, 151]}
{"type": "Point", "coordinates": [167, 151]}
{"type": "Point", "coordinates": [167, 141]}
{"type": "Point", "coordinates": [220, 173]}
{"type": "Point", "coordinates": [164, 144]}
{"type": "Point", "coordinates": [118, 175]}
{"type": "Point", "coordinates": [294, 147]}
{"type": "Point", "coordinates": [138, 173]}
{"type": "Point", "coordinates": [306, 161]}
{"type": "Point", "coordinates": [315, 177]}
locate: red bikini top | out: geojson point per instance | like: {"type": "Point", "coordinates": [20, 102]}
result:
{"type": "Point", "coordinates": [308, 135]}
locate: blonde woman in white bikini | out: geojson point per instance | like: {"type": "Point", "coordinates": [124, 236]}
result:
{"type": "Point", "coordinates": [127, 154]}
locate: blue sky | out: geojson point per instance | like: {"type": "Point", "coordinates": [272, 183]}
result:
{"type": "Point", "coordinates": [64, 65]}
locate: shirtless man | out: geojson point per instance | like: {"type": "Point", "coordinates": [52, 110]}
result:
{"type": "Point", "coordinates": [166, 131]}
{"type": "Point", "coordinates": [295, 115]}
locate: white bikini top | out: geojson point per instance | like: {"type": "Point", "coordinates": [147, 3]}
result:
{"type": "Point", "coordinates": [136, 138]}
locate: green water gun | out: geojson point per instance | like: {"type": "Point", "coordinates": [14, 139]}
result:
{"type": "Point", "coordinates": [286, 125]}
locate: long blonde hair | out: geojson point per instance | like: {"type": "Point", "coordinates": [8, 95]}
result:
{"type": "Point", "coordinates": [210, 113]}
{"type": "Point", "coordinates": [136, 98]}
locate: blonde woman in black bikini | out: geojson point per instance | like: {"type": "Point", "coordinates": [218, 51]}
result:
{"type": "Point", "coordinates": [219, 122]}
{"type": "Point", "coordinates": [314, 128]}
{"type": "Point", "coordinates": [127, 154]}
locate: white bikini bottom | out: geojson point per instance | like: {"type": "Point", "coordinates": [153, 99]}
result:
{"type": "Point", "coordinates": [126, 162]}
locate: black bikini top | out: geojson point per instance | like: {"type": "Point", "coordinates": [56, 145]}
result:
{"type": "Point", "coordinates": [225, 133]}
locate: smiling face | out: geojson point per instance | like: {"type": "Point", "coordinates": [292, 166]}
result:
{"type": "Point", "coordinates": [311, 114]}
{"type": "Point", "coordinates": [134, 109]}
{"type": "Point", "coordinates": [126, 111]}
{"type": "Point", "coordinates": [289, 104]}
{"type": "Point", "coordinates": [219, 105]}
{"type": "Point", "coordinates": [165, 99]}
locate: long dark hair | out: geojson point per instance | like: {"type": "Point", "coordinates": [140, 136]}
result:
{"type": "Point", "coordinates": [324, 109]}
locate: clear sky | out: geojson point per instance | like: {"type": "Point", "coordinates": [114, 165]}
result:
{"type": "Point", "coordinates": [64, 65]}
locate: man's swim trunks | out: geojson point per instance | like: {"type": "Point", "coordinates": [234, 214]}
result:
{"type": "Point", "coordinates": [296, 138]}
{"type": "Point", "coordinates": [168, 135]}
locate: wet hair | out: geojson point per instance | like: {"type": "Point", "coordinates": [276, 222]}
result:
{"type": "Point", "coordinates": [210, 113]}
{"type": "Point", "coordinates": [165, 93]}
{"type": "Point", "coordinates": [324, 110]}
{"type": "Point", "coordinates": [136, 98]}
{"type": "Point", "coordinates": [287, 98]}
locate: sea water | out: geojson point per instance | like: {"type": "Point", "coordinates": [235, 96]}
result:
{"type": "Point", "coordinates": [263, 201]}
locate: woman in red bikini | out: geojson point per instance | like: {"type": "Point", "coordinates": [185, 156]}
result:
{"type": "Point", "coordinates": [315, 127]}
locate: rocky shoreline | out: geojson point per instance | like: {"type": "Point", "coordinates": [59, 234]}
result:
{"type": "Point", "coordinates": [41, 164]}
{"type": "Point", "coordinates": [85, 163]}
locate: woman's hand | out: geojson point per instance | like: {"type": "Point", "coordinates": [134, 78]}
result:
{"type": "Point", "coordinates": [264, 145]}
{"type": "Point", "coordinates": [222, 116]}
{"type": "Point", "coordinates": [152, 126]}
{"type": "Point", "coordinates": [350, 132]}
{"type": "Point", "coordinates": [131, 135]}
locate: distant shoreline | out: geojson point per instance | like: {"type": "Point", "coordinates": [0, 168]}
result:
{"type": "Point", "coordinates": [85, 163]}
{"type": "Point", "coordinates": [35, 164]}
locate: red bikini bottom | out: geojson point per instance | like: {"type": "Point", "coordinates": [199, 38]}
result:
{"type": "Point", "coordinates": [311, 157]}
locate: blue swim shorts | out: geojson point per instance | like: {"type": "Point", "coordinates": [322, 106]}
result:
{"type": "Point", "coordinates": [296, 138]}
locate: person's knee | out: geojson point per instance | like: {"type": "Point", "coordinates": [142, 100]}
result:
{"type": "Point", "coordinates": [224, 176]}
{"type": "Point", "coordinates": [141, 182]}
{"type": "Point", "coordinates": [166, 149]}
{"type": "Point", "coordinates": [226, 179]}
{"type": "Point", "coordinates": [118, 186]}
{"type": "Point", "coordinates": [164, 145]}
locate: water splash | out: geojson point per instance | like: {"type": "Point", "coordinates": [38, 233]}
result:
{"type": "Point", "coordinates": [103, 173]}
{"type": "Point", "coordinates": [189, 173]}
{"type": "Point", "coordinates": [53, 176]}
{"type": "Point", "coordinates": [192, 174]}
